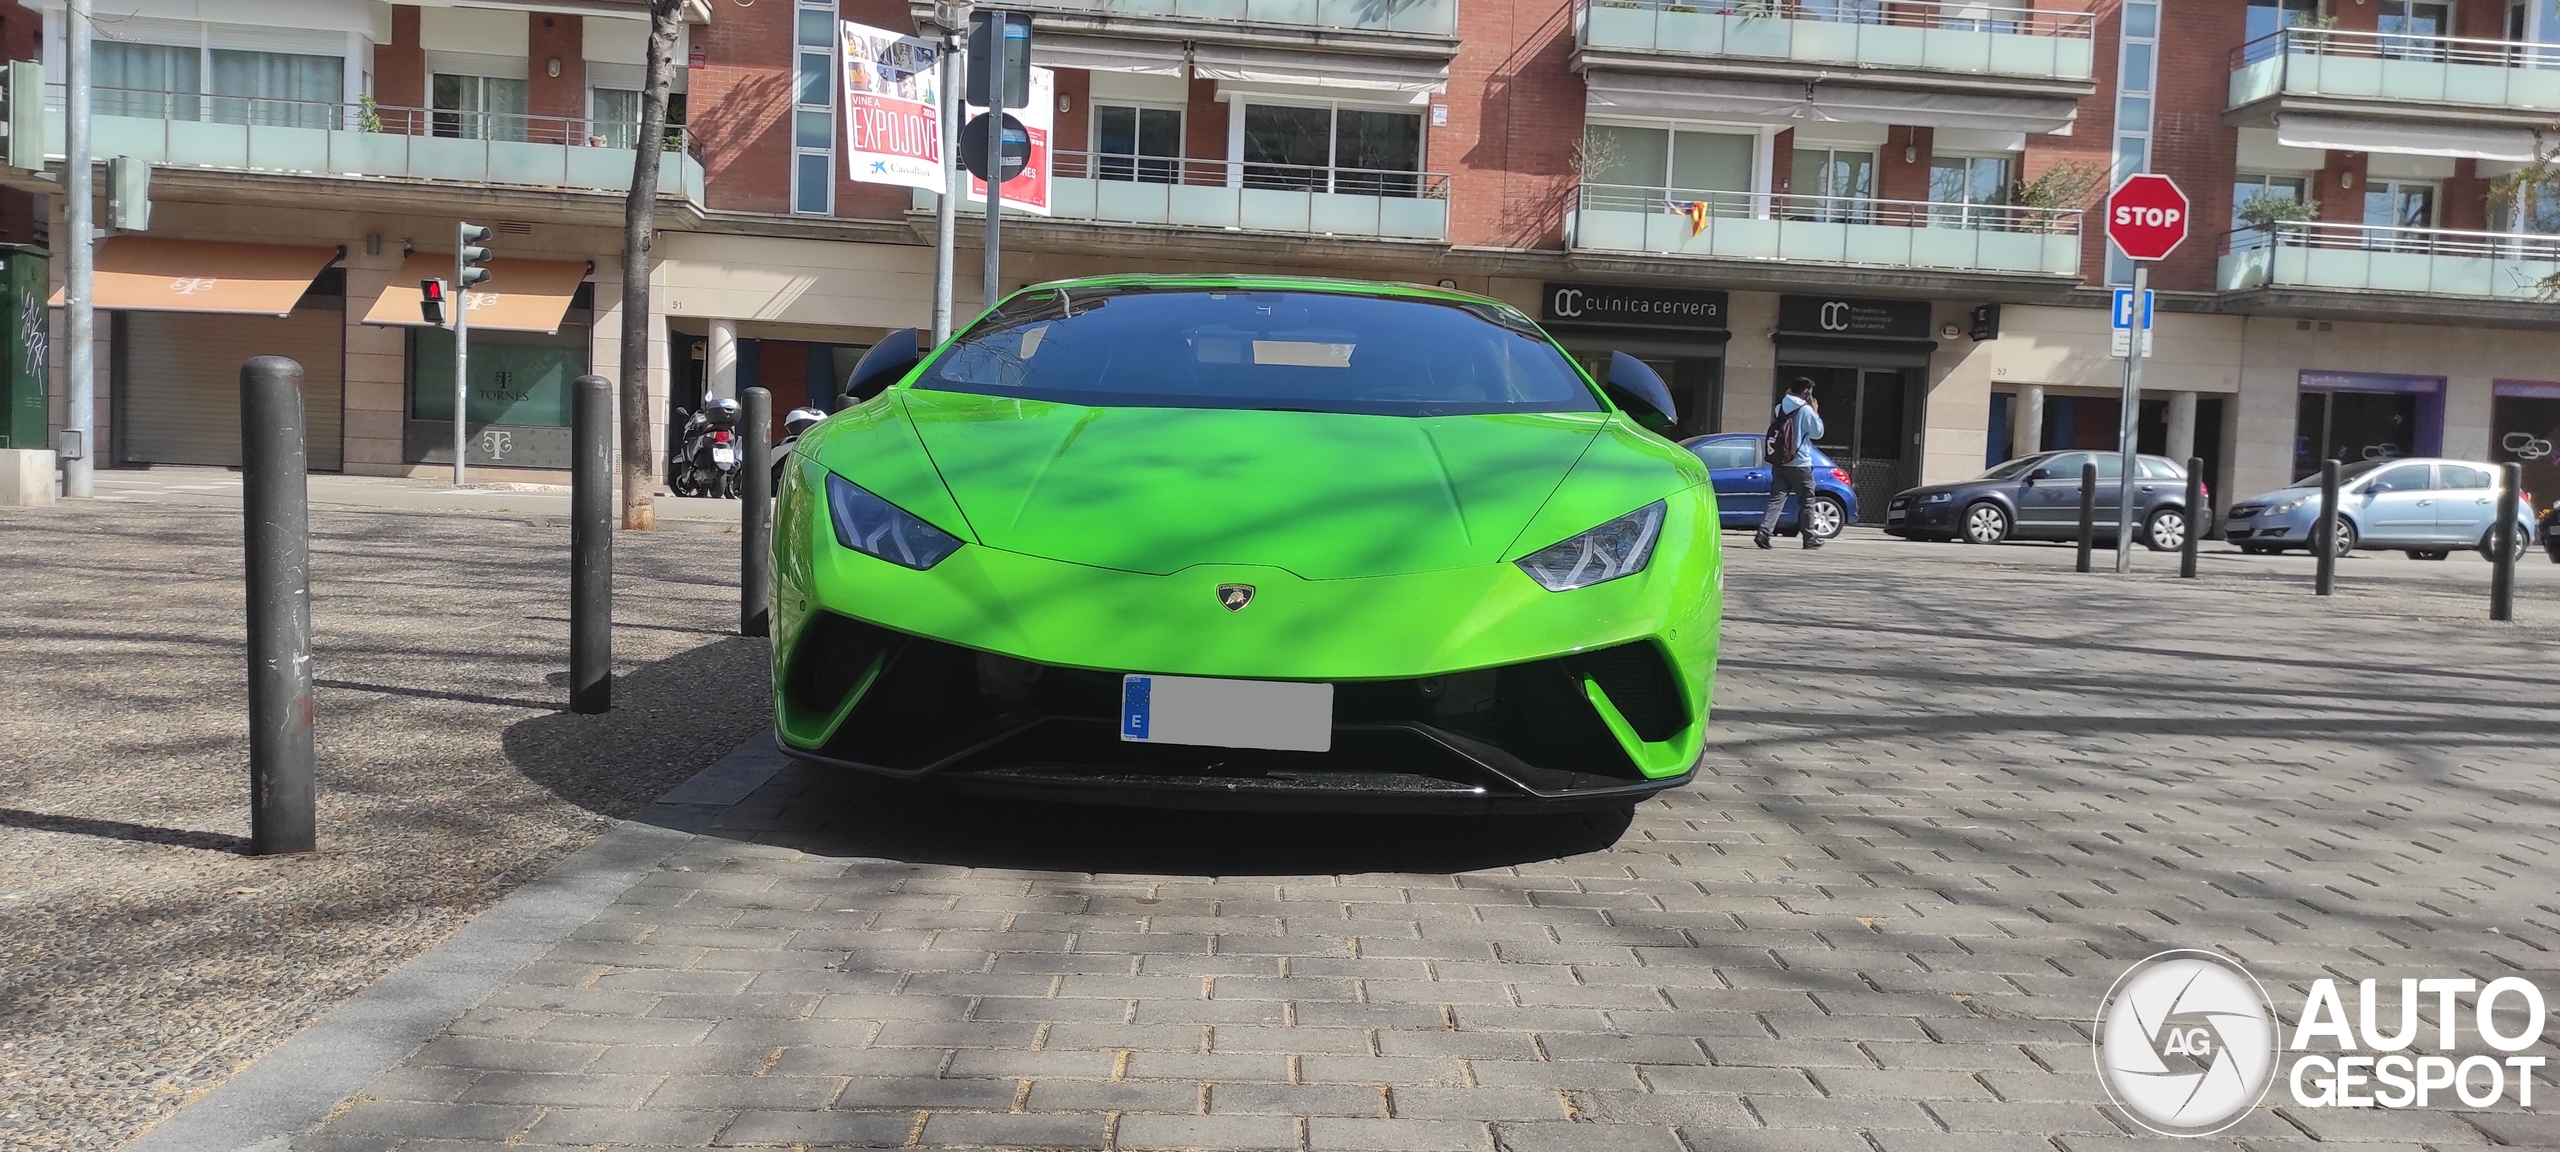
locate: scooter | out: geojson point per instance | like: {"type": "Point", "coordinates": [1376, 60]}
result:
{"type": "Point", "coordinates": [794, 422]}
{"type": "Point", "coordinates": [709, 464]}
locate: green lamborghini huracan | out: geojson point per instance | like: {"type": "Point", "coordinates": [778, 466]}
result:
{"type": "Point", "coordinates": [1262, 542]}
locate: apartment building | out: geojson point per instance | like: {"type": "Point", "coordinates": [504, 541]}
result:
{"type": "Point", "coordinates": [1883, 195]}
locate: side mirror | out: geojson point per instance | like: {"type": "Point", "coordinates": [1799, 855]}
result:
{"type": "Point", "coordinates": [2039, 474]}
{"type": "Point", "coordinates": [1635, 386]}
{"type": "Point", "coordinates": [889, 360]}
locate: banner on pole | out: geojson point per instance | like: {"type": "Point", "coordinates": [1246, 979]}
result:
{"type": "Point", "coordinates": [892, 108]}
{"type": "Point", "coordinates": [1028, 192]}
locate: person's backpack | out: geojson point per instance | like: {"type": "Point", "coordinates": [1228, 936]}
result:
{"type": "Point", "coordinates": [1780, 444]}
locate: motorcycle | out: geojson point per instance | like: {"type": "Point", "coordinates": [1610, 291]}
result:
{"type": "Point", "coordinates": [794, 422]}
{"type": "Point", "coordinates": [709, 464]}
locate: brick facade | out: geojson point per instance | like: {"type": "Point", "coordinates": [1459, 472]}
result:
{"type": "Point", "coordinates": [556, 40]}
{"type": "Point", "coordinates": [400, 72]}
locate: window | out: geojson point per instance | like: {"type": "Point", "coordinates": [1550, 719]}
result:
{"type": "Point", "coordinates": [1843, 11]}
{"type": "Point", "coordinates": [1720, 454]}
{"type": "Point", "coordinates": [2136, 67]}
{"type": "Point", "coordinates": [1968, 191]}
{"type": "Point", "coordinates": [288, 89]}
{"type": "Point", "coordinates": [613, 117]}
{"type": "Point", "coordinates": [2465, 476]}
{"type": "Point", "coordinates": [1635, 169]}
{"type": "Point", "coordinates": [813, 116]}
{"type": "Point", "coordinates": [2268, 17]}
{"type": "Point", "coordinates": [2149, 468]}
{"type": "Point", "coordinates": [516, 377]}
{"type": "Point", "coordinates": [2405, 478]}
{"type": "Point", "coordinates": [2418, 25]}
{"type": "Point", "coordinates": [150, 81]}
{"type": "Point", "coordinates": [1831, 183]}
{"type": "Point", "coordinates": [1138, 144]}
{"type": "Point", "coordinates": [2248, 186]}
{"type": "Point", "coordinates": [2398, 204]}
{"type": "Point", "coordinates": [477, 107]}
{"type": "Point", "coordinates": [1363, 151]}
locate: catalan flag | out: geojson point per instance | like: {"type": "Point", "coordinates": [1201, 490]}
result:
{"type": "Point", "coordinates": [1696, 210]}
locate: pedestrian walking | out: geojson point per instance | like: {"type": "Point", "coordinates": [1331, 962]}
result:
{"type": "Point", "coordinates": [1788, 449]}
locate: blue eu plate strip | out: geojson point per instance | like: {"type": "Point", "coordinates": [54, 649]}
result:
{"type": "Point", "coordinates": [1134, 693]}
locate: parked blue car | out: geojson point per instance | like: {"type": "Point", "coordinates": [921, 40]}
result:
{"type": "Point", "coordinates": [1742, 485]}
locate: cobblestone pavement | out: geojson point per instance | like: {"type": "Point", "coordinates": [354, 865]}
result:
{"type": "Point", "coordinates": [1951, 798]}
{"type": "Point", "coordinates": [142, 957]}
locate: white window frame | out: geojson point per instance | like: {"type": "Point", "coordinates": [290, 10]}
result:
{"type": "Point", "coordinates": [792, 123]}
{"type": "Point", "coordinates": [1237, 102]}
{"type": "Point", "coordinates": [1093, 106]}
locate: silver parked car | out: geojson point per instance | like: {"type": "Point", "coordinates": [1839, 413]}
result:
{"type": "Point", "coordinates": [2424, 507]}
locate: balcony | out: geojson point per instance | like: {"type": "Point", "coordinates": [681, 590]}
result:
{"type": "Point", "coordinates": [1979, 39]}
{"type": "Point", "coordinates": [1236, 196]}
{"type": "Point", "coordinates": [2441, 95]}
{"type": "Point", "coordinates": [370, 141]}
{"type": "Point", "coordinates": [1422, 17]}
{"type": "Point", "coordinates": [2397, 263]}
{"type": "Point", "coordinates": [1896, 235]}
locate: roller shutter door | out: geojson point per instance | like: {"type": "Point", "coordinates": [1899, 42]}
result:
{"type": "Point", "coordinates": [182, 382]}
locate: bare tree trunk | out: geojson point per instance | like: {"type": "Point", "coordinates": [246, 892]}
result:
{"type": "Point", "coordinates": [639, 512]}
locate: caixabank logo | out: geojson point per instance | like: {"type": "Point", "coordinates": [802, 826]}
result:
{"type": "Point", "coordinates": [2187, 1042]}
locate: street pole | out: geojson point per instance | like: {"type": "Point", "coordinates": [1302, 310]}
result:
{"type": "Point", "coordinates": [461, 347]}
{"type": "Point", "coordinates": [79, 318]}
{"type": "Point", "coordinates": [755, 512]}
{"type": "Point", "coordinates": [946, 221]}
{"type": "Point", "coordinates": [2129, 421]}
{"type": "Point", "coordinates": [276, 541]}
{"type": "Point", "coordinates": [591, 546]}
{"type": "Point", "coordinates": [998, 53]}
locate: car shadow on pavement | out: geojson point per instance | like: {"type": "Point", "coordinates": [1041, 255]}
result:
{"type": "Point", "coordinates": [670, 717]}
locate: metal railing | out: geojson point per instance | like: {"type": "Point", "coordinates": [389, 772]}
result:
{"type": "Point", "coordinates": [1199, 173]}
{"type": "Point", "coordinates": [2384, 258]}
{"type": "Point", "coordinates": [1826, 229]}
{"type": "Point", "coordinates": [1430, 17]}
{"type": "Point", "coordinates": [2396, 65]}
{"type": "Point", "coordinates": [1941, 35]}
{"type": "Point", "coordinates": [205, 130]}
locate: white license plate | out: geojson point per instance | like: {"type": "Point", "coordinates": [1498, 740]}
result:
{"type": "Point", "coordinates": [1284, 715]}
{"type": "Point", "coordinates": [724, 455]}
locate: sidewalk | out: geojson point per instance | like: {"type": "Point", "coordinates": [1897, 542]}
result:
{"type": "Point", "coordinates": [1946, 805]}
{"type": "Point", "coordinates": [185, 485]}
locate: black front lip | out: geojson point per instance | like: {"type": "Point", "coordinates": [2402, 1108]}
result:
{"type": "Point", "coordinates": [1500, 783]}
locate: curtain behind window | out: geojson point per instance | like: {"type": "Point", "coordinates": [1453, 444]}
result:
{"type": "Point", "coordinates": [282, 89]}
{"type": "Point", "coordinates": [151, 81]}
{"type": "Point", "coordinates": [617, 118]}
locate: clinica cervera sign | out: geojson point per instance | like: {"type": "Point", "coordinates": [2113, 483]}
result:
{"type": "Point", "coordinates": [2187, 1042]}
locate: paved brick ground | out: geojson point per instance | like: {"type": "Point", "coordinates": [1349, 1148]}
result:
{"type": "Point", "coordinates": [1951, 798]}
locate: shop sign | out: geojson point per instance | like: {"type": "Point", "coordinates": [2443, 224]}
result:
{"type": "Point", "coordinates": [2317, 381]}
{"type": "Point", "coordinates": [1631, 304]}
{"type": "Point", "coordinates": [1853, 316]}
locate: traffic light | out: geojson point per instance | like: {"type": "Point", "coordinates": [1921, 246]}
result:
{"type": "Point", "coordinates": [1000, 45]}
{"type": "Point", "coordinates": [23, 117]}
{"type": "Point", "coordinates": [431, 301]}
{"type": "Point", "coordinates": [468, 255]}
{"type": "Point", "coordinates": [128, 194]}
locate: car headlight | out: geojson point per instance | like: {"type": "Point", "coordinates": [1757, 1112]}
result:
{"type": "Point", "coordinates": [876, 527]}
{"type": "Point", "coordinates": [1617, 548]}
{"type": "Point", "coordinates": [2287, 506]}
{"type": "Point", "coordinates": [1937, 497]}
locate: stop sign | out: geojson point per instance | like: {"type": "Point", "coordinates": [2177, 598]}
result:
{"type": "Point", "coordinates": [2147, 216]}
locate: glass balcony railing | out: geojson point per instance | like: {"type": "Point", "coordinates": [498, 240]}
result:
{"type": "Point", "coordinates": [192, 130]}
{"type": "Point", "coordinates": [1240, 196]}
{"type": "Point", "coordinates": [1849, 231]}
{"type": "Point", "coordinates": [2399, 261]}
{"type": "Point", "coordinates": [1942, 36]}
{"type": "Point", "coordinates": [2396, 66]}
{"type": "Point", "coordinates": [1429, 17]}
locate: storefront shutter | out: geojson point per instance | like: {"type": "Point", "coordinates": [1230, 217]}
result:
{"type": "Point", "coordinates": [181, 382]}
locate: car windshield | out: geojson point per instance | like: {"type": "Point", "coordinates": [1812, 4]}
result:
{"type": "Point", "coordinates": [1272, 350]}
{"type": "Point", "coordinates": [2345, 474]}
{"type": "Point", "coordinates": [2014, 468]}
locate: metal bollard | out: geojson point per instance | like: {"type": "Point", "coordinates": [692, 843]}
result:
{"type": "Point", "coordinates": [2088, 512]}
{"type": "Point", "coordinates": [276, 521]}
{"type": "Point", "coordinates": [755, 509]}
{"type": "Point", "coordinates": [2504, 543]}
{"type": "Point", "coordinates": [2199, 518]}
{"type": "Point", "coordinates": [591, 545]}
{"type": "Point", "coordinates": [2324, 533]}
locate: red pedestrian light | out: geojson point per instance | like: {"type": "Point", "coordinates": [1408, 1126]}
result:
{"type": "Point", "coordinates": [431, 301]}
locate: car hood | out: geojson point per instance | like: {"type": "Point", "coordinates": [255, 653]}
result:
{"type": "Point", "coordinates": [1323, 495]}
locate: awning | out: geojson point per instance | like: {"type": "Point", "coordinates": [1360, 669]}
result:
{"type": "Point", "coordinates": [1320, 69]}
{"type": "Point", "coordinates": [2471, 141]}
{"type": "Point", "coordinates": [1660, 94]}
{"type": "Point", "coordinates": [158, 274]}
{"type": "Point", "coordinates": [1106, 54]}
{"type": "Point", "coordinates": [518, 296]}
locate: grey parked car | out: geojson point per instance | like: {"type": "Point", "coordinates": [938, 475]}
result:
{"type": "Point", "coordinates": [2038, 498]}
{"type": "Point", "coordinates": [2425, 507]}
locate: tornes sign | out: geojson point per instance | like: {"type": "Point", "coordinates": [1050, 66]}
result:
{"type": "Point", "coordinates": [1627, 304]}
{"type": "Point", "coordinates": [1853, 316]}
